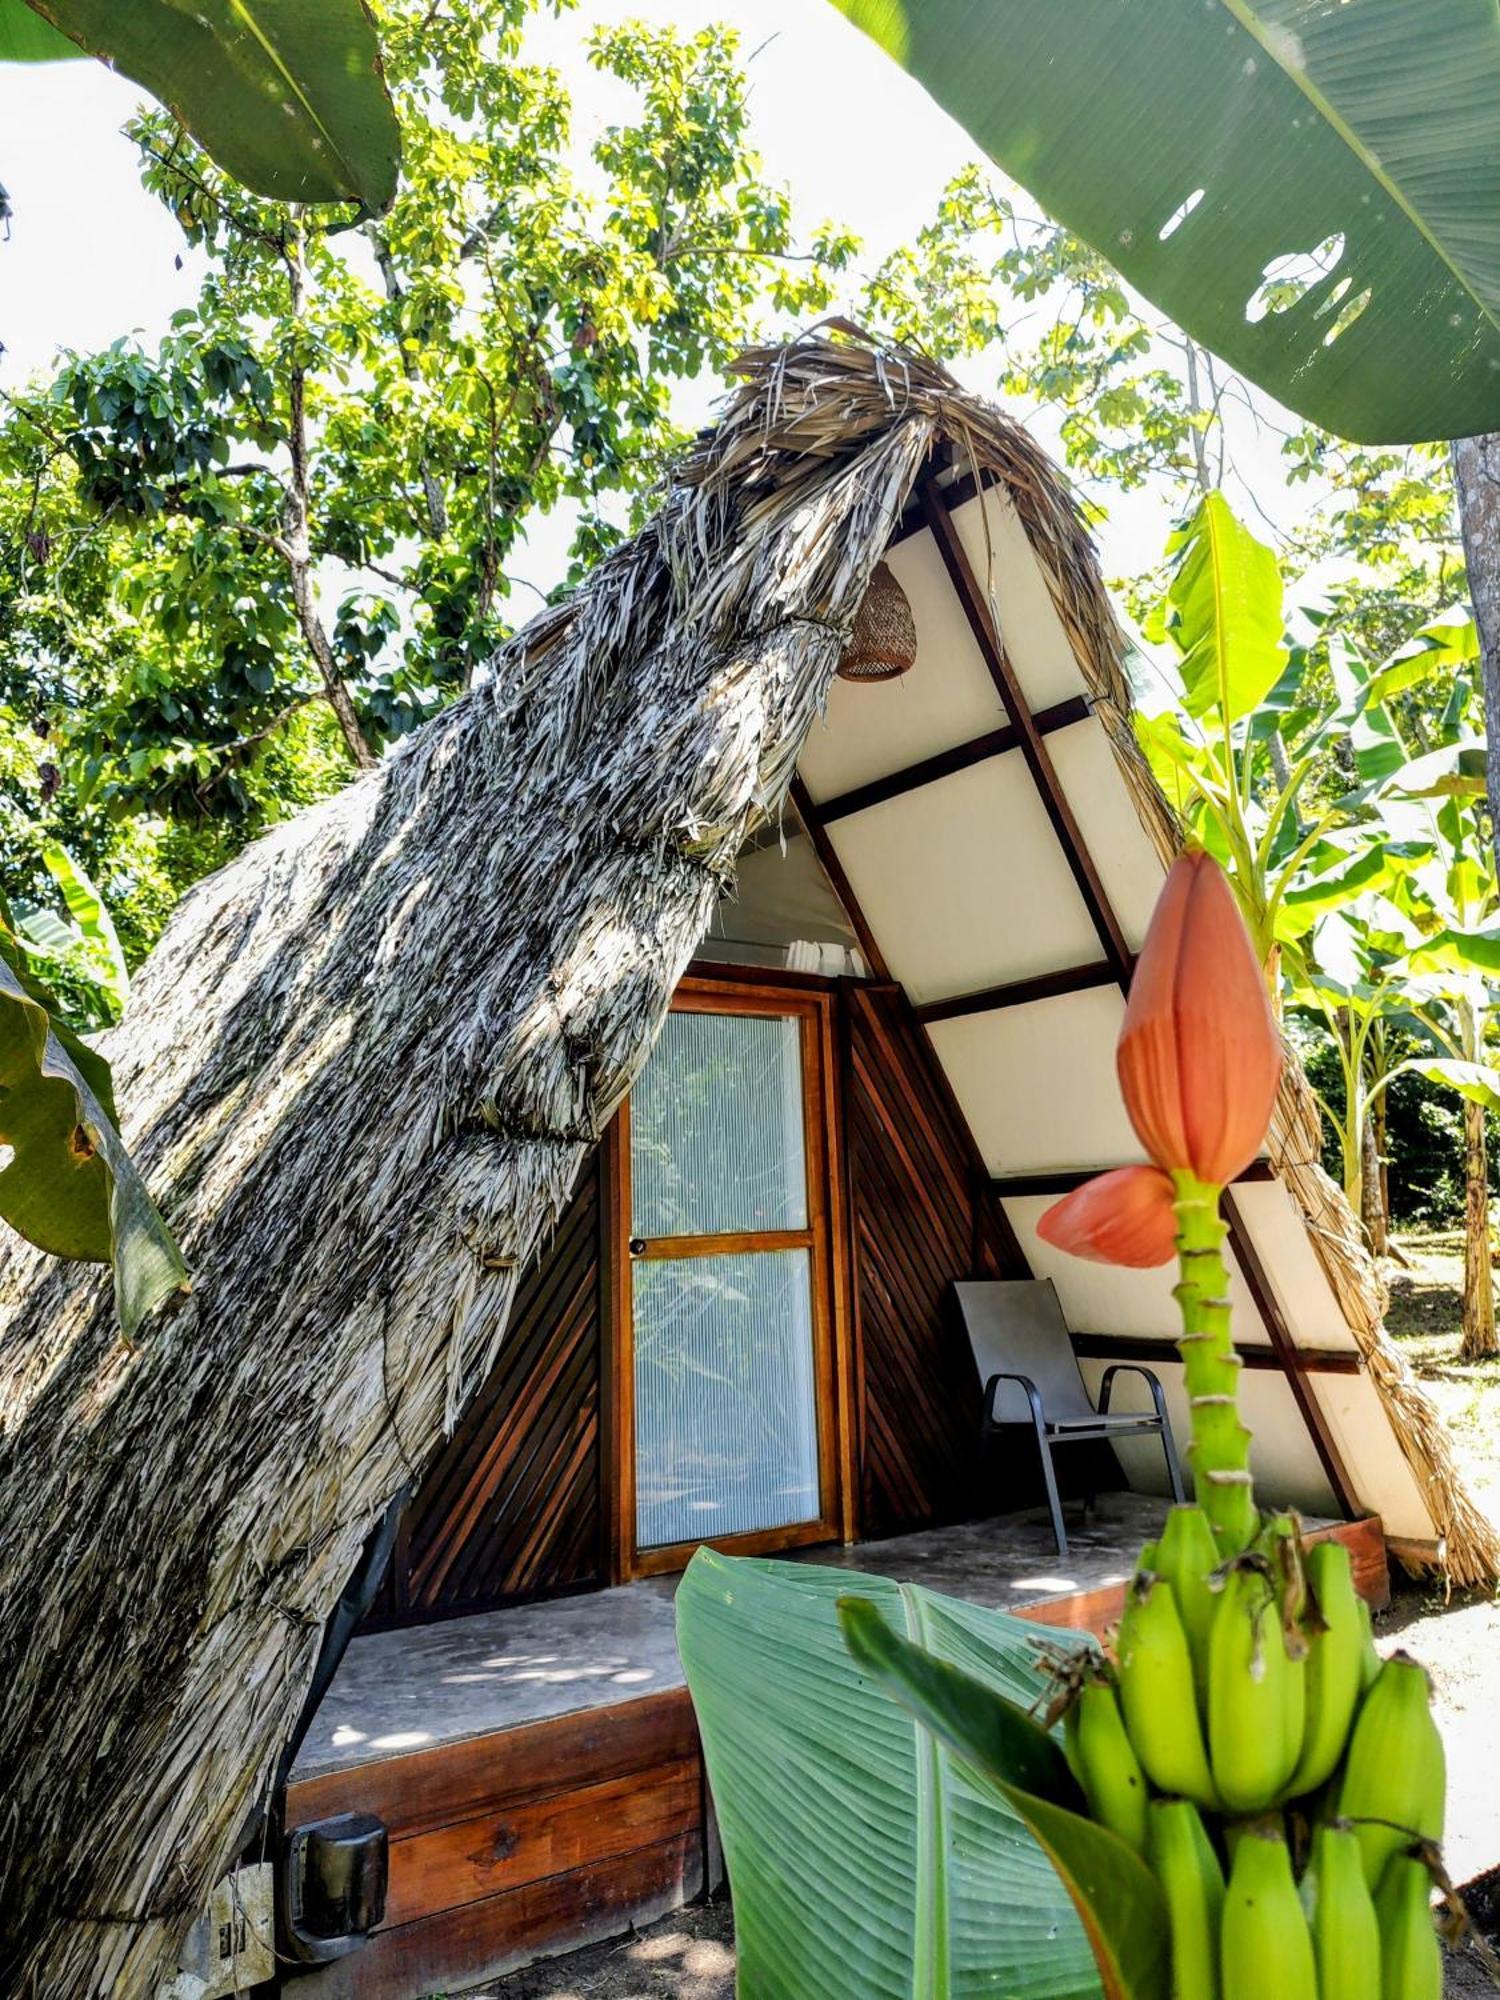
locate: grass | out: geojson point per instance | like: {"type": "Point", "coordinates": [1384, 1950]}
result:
{"type": "Point", "coordinates": [1423, 1319]}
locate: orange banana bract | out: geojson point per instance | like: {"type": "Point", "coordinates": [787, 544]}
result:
{"type": "Point", "coordinates": [1122, 1217]}
{"type": "Point", "coordinates": [1199, 1057]}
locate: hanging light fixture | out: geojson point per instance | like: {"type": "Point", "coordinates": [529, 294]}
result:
{"type": "Point", "coordinates": [883, 644]}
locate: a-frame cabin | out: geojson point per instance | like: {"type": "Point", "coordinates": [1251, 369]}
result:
{"type": "Point", "coordinates": [893, 1048]}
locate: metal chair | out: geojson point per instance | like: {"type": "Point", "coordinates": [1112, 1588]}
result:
{"type": "Point", "coordinates": [1031, 1376]}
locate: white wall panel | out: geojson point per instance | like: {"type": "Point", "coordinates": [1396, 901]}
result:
{"type": "Point", "coordinates": [1283, 1457]}
{"type": "Point", "coordinates": [1037, 1083]}
{"type": "Point", "coordinates": [1103, 1298]}
{"type": "Point", "coordinates": [964, 883]}
{"type": "Point", "coordinates": [1010, 575]}
{"type": "Point", "coordinates": [947, 698]}
{"type": "Point", "coordinates": [1276, 1228]}
{"type": "Point", "coordinates": [1383, 1480]}
{"type": "Point", "coordinates": [1128, 864]}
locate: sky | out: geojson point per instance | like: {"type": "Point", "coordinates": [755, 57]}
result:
{"type": "Point", "coordinates": [91, 256]}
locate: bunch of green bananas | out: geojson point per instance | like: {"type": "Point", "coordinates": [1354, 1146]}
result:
{"type": "Point", "coordinates": [1283, 1783]}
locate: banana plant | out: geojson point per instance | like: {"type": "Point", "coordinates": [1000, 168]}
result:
{"type": "Point", "coordinates": [1353, 977]}
{"type": "Point", "coordinates": [867, 1857]}
{"type": "Point", "coordinates": [1357, 282]}
{"type": "Point", "coordinates": [1242, 739]}
{"type": "Point", "coordinates": [1417, 947]}
{"type": "Point", "coordinates": [1454, 903]}
{"type": "Point", "coordinates": [84, 946]}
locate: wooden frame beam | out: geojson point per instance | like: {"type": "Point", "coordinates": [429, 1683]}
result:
{"type": "Point", "coordinates": [1310, 1361]}
{"type": "Point", "coordinates": [1021, 992]}
{"type": "Point", "coordinates": [945, 763]}
{"type": "Point", "coordinates": [1032, 744]}
{"type": "Point", "coordinates": [1064, 1179]}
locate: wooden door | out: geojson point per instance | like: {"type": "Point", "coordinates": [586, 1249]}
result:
{"type": "Point", "coordinates": [725, 1376]}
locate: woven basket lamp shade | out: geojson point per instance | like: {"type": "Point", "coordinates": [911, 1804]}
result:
{"type": "Point", "coordinates": [883, 644]}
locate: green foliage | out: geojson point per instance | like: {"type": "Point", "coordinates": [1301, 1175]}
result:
{"type": "Point", "coordinates": [66, 1182]}
{"type": "Point", "coordinates": [1117, 1897]}
{"type": "Point", "coordinates": [235, 567]}
{"type": "Point", "coordinates": [285, 94]}
{"type": "Point", "coordinates": [1304, 279]}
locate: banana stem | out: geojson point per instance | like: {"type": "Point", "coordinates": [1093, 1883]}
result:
{"type": "Point", "coordinates": [1220, 1449]}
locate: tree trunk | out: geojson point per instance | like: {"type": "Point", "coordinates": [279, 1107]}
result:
{"type": "Point", "coordinates": [1479, 1289]}
{"type": "Point", "coordinates": [1373, 1213]}
{"type": "Point", "coordinates": [297, 539]}
{"type": "Point", "coordinates": [1476, 475]}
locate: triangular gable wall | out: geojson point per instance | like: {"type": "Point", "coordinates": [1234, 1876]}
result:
{"type": "Point", "coordinates": [983, 818]}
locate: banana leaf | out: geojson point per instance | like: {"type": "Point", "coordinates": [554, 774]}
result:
{"type": "Point", "coordinates": [1311, 190]}
{"type": "Point", "coordinates": [68, 1184]}
{"type": "Point", "coordinates": [287, 95]}
{"type": "Point", "coordinates": [26, 37]}
{"type": "Point", "coordinates": [1224, 613]}
{"type": "Point", "coordinates": [1113, 1890]}
{"type": "Point", "coordinates": [867, 1863]}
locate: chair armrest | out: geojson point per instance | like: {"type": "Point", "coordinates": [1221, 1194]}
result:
{"type": "Point", "coordinates": [1024, 1382]}
{"type": "Point", "coordinates": [1147, 1375]}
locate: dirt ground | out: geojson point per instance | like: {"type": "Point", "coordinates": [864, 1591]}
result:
{"type": "Point", "coordinates": [690, 1955]}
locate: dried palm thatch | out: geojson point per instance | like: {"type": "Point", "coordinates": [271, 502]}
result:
{"type": "Point", "coordinates": [361, 1071]}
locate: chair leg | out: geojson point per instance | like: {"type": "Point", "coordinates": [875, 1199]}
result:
{"type": "Point", "coordinates": [1054, 1499]}
{"type": "Point", "coordinates": [1174, 1470]}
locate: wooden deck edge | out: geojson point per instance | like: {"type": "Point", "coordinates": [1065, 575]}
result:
{"type": "Point", "coordinates": [457, 1948]}
{"type": "Point", "coordinates": [426, 1788]}
{"type": "Point", "coordinates": [1097, 1610]}
{"type": "Point", "coordinates": [517, 1845]}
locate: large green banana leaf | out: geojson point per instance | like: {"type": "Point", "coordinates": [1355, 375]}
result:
{"type": "Point", "coordinates": [1224, 603]}
{"type": "Point", "coordinates": [1200, 144]}
{"type": "Point", "coordinates": [865, 1863]}
{"type": "Point", "coordinates": [67, 1183]}
{"type": "Point", "coordinates": [287, 95]}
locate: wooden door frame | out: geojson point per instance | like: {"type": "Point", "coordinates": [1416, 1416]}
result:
{"type": "Point", "coordinates": [813, 1004]}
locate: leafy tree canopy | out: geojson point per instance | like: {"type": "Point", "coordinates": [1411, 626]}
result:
{"type": "Point", "coordinates": [236, 568]}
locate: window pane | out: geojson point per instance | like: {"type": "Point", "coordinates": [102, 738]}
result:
{"type": "Point", "coordinates": [716, 1128]}
{"type": "Point", "coordinates": [725, 1397]}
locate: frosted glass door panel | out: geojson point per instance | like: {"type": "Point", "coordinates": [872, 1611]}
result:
{"type": "Point", "coordinates": [725, 1399]}
{"type": "Point", "coordinates": [716, 1144]}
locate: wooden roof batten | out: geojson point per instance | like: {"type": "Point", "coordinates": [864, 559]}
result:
{"type": "Point", "coordinates": [944, 764]}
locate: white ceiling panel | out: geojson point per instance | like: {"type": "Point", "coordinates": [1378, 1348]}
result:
{"type": "Point", "coordinates": [964, 884]}
{"type": "Point", "coordinates": [1283, 1458]}
{"type": "Point", "coordinates": [1011, 577]}
{"type": "Point", "coordinates": [1104, 1298]}
{"type": "Point", "coordinates": [1037, 1083]}
{"type": "Point", "coordinates": [1109, 824]}
{"type": "Point", "coordinates": [948, 697]}
{"type": "Point", "coordinates": [1276, 1228]}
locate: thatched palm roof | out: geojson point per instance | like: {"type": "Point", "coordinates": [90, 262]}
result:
{"type": "Point", "coordinates": [361, 1071]}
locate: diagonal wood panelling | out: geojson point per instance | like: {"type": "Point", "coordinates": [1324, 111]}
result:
{"type": "Point", "coordinates": [511, 1507]}
{"type": "Point", "coordinates": [922, 1218]}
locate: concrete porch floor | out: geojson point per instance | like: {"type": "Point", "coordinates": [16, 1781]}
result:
{"type": "Point", "coordinates": [420, 1687]}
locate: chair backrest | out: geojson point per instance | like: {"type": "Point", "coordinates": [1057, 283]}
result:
{"type": "Point", "coordinates": [1016, 1327]}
